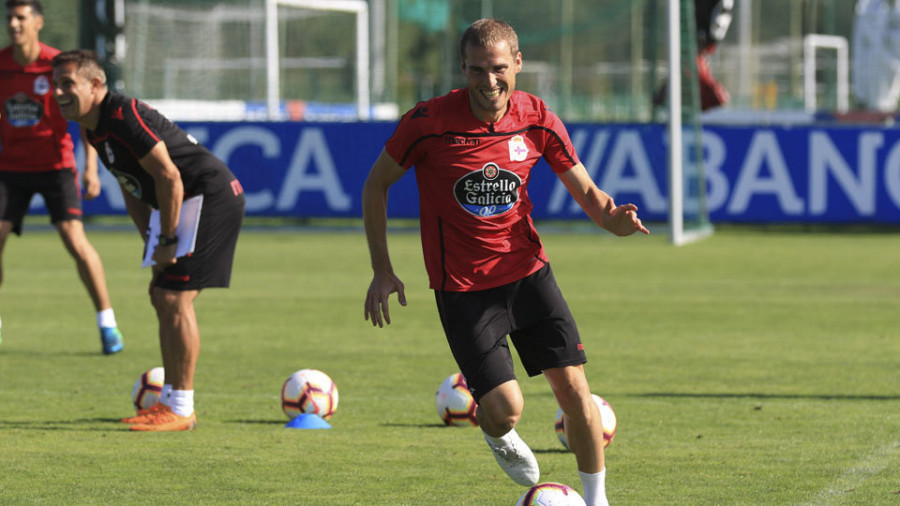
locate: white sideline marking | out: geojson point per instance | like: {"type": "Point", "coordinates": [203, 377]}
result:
{"type": "Point", "coordinates": [854, 477]}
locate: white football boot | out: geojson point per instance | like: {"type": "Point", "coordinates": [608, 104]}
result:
{"type": "Point", "coordinates": [516, 459]}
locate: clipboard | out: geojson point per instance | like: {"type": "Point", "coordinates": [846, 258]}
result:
{"type": "Point", "coordinates": [186, 232]}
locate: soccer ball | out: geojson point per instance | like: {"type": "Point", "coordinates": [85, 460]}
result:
{"type": "Point", "coordinates": [551, 494]}
{"type": "Point", "coordinates": [607, 419]}
{"type": "Point", "coordinates": [454, 404]}
{"type": "Point", "coordinates": [309, 391]}
{"type": "Point", "coordinates": [147, 388]}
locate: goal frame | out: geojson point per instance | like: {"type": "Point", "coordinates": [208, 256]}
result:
{"type": "Point", "coordinates": [813, 42]}
{"type": "Point", "coordinates": [273, 72]}
{"type": "Point", "coordinates": [678, 235]}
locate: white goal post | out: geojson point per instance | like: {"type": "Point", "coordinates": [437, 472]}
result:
{"type": "Point", "coordinates": [273, 73]}
{"type": "Point", "coordinates": [676, 158]}
{"type": "Point", "coordinates": [678, 233]}
{"type": "Point", "coordinates": [815, 41]}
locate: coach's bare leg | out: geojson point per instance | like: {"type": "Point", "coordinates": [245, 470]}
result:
{"type": "Point", "coordinates": [5, 229]}
{"type": "Point", "coordinates": [500, 409]}
{"type": "Point", "coordinates": [90, 268]}
{"type": "Point", "coordinates": [584, 430]}
{"type": "Point", "coordinates": [179, 336]}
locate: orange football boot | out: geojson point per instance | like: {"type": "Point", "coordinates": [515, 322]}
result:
{"type": "Point", "coordinates": [166, 420]}
{"type": "Point", "coordinates": [143, 415]}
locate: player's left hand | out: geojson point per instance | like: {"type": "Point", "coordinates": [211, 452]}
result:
{"type": "Point", "coordinates": [91, 184]}
{"type": "Point", "coordinates": [164, 256]}
{"type": "Point", "coordinates": [623, 220]}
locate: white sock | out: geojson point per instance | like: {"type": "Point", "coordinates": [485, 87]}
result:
{"type": "Point", "coordinates": [182, 402]}
{"type": "Point", "coordinates": [106, 318]}
{"type": "Point", "coordinates": [166, 394]}
{"type": "Point", "coordinates": [594, 486]}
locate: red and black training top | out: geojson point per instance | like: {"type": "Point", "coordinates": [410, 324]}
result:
{"type": "Point", "coordinates": [34, 135]}
{"type": "Point", "coordinates": [473, 176]}
{"type": "Point", "coordinates": [126, 132]}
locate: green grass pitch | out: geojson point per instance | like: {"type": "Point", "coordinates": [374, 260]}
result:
{"type": "Point", "coordinates": [755, 367]}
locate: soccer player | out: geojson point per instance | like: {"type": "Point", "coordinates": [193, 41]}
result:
{"type": "Point", "coordinates": [473, 151]}
{"type": "Point", "coordinates": [36, 156]}
{"type": "Point", "coordinates": [168, 181]}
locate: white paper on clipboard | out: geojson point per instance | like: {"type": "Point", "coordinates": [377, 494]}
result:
{"type": "Point", "coordinates": [186, 232]}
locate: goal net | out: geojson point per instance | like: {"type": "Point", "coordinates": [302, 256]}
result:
{"type": "Point", "coordinates": [265, 59]}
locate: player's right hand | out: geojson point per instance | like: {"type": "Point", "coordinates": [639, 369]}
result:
{"type": "Point", "coordinates": [380, 290]}
{"type": "Point", "coordinates": [91, 187]}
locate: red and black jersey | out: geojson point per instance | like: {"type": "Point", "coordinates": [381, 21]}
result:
{"type": "Point", "coordinates": [126, 132]}
{"type": "Point", "coordinates": [473, 176]}
{"type": "Point", "coordinates": [33, 133]}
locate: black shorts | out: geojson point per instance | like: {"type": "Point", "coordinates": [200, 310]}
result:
{"type": "Point", "coordinates": [531, 311]}
{"type": "Point", "coordinates": [60, 189]}
{"type": "Point", "coordinates": [209, 266]}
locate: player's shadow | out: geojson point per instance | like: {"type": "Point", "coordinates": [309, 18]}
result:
{"type": "Point", "coordinates": [394, 425]}
{"type": "Point", "coordinates": [75, 425]}
{"type": "Point", "coordinates": [550, 450]}
{"type": "Point", "coordinates": [419, 426]}
{"type": "Point", "coordinates": [54, 353]}
{"type": "Point", "coordinates": [759, 395]}
{"type": "Point", "coordinates": [267, 421]}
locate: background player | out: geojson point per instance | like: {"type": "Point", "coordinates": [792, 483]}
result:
{"type": "Point", "coordinates": [473, 150]}
{"type": "Point", "coordinates": [161, 169]}
{"type": "Point", "coordinates": [36, 156]}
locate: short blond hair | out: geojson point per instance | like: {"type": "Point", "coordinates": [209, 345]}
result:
{"type": "Point", "coordinates": [485, 33]}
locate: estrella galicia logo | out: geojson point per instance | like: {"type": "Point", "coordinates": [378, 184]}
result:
{"type": "Point", "coordinates": [490, 191]}
{"type": "Point", "coordinates": [22, 111]}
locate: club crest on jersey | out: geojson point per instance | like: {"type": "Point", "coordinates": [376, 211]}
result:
{"type": "Point", "coordinates": [41, 85]}
{"type": "Point", "coordinates": [490, 191]}
{"type": "Point", "coordinates": [128, 182]}
{"type": "Point", "coordinates": [518, 150]}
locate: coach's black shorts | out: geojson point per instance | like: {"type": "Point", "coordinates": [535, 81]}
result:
{"type": "Point", "coordinates": [531, 311]}
{"type": "Point", "coordinates": [60, 189]}
{"type": "Point", "coordinates": [209, 266]}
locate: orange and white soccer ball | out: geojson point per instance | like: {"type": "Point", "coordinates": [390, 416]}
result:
{"type": "Point", "coordinates": [551, 494]}
{"type": "Point", "coordinates": [309, 391]}
{"type": "Point", "coordinates": [454, 403]}
{"type": "Point", "coordinates": [147, 388]}
{"type": "Point", "coordinates": [607, 419]}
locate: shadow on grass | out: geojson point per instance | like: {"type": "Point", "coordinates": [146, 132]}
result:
{"type": "Point", "coordinates": [550, 450]}
{"type": "Point", "coordinates": [420, 426]}
{"type": "Point", "coordinates": [22, 352]}
{"type": "Point", "coordinates": [259, 422]}
{"type": "Point", "coordinates": [78, 424]}
{"type": "Point", "coordinates": [758, 395]}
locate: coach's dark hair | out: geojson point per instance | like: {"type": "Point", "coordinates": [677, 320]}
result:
{"type": "Point", "coordinates": [34, 4]}
{"type": "Point", "coordinates": [485, 33]}
{"type": "Point", "coordinates": [86, 60]}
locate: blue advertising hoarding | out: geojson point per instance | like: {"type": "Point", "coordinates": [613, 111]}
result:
{"type": "Point", "coordinates": [772, 174]}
